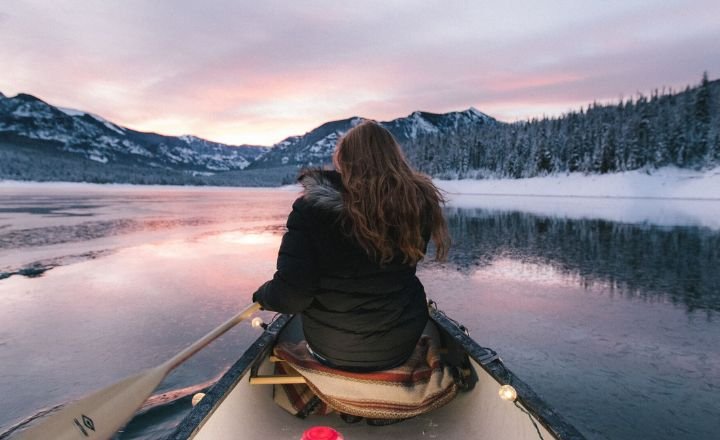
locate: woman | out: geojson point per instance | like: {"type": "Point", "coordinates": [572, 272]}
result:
{"type": "Point", "coordinates": [347, 262]}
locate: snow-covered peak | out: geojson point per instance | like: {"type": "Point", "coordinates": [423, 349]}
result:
{"type": "Point", "coordinates": [108, 124]}
{"type": "Point", "coordinates": [356, 120]}
{"type": "Point", "coordinates": [71, 111]}
{"type": "Point", "coordinates": [189, 139]}
{"type": "Point", "coordinates": [420, 123]}
{"type": "Point", "coordinates": [476, 113]}
{"type": "Point", "coordinates": [27, 106]}
{"type": "Point", "coordinates": [80, 114]}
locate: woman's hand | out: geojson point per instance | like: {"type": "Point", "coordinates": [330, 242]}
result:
{"type": "Point", "coordinates": [257, 296]}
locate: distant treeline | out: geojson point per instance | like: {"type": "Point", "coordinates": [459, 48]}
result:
{"type": "Point", "coordinates": [665, 128]}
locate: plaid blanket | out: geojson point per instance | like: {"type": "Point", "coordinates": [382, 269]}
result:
{"type": "Point", "coordinates": [421, 384]}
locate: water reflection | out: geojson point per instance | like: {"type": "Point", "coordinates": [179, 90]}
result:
{"type": "Point", "coordinates": [82, 326]}
{"type": "Point", "coordinates": [243, 238]}
{"type": "Point", "coordinates": [139, 276]}
{"type": "Point", "coordinates": [636, 260]}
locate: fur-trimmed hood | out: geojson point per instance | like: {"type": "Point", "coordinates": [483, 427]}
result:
{"type": "Point", "coordinates": [322, 189]}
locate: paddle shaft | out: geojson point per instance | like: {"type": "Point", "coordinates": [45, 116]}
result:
{"type": "Point", "coordinates": [205, 340]}
{"type": "Point", "coordinates": [101, 414]}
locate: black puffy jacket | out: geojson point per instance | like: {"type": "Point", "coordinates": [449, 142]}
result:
{"type": "Point", "coordinates": [356, 313]}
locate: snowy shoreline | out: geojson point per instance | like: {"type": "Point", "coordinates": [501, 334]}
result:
{"type": "Point", "coordinates": [667, 197]}
{"type": "Point", "coordinates": [664, 183]}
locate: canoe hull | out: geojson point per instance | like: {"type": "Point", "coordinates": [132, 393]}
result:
{"type": "Point", "coordinates": [234, 408]}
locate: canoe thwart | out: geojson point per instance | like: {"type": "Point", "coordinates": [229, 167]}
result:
{"type": "Point", "coordinates": [279, 379]}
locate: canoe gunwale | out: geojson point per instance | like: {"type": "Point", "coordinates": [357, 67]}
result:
{"type": "Point", "coordinates": [494, 366]}
{"type": "Point", "coordinates": [215, 395]}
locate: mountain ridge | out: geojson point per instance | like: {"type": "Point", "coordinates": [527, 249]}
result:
{"type": "Point", "coordinates": [315, 147]}
{"type": "Point", "coordinates": [26, 119]}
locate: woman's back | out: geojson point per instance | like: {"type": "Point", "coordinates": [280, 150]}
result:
{"type": "Point", "coordinates": [364, 314]}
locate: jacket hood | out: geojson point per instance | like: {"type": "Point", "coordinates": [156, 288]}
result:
{"type": "Point", "coordinates": [322, 189]}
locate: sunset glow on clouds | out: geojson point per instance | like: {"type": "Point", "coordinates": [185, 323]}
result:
{"type": "Point", "coordinates": [258, 71]}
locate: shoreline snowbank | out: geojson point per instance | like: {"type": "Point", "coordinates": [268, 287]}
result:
{"type": "Point", "coordinates": [667, 197]}
{"type": "Point", "coordinates": [664, 183]}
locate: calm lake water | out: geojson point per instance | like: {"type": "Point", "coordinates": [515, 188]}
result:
{"type": "Point", "coordinates": [614, 324]}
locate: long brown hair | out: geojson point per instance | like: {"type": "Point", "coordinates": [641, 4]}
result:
{"type": "Point", "coordinates": [388, 206]}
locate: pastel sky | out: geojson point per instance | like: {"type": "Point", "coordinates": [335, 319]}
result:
{"type": "Point", "coordinates": [258, 71]}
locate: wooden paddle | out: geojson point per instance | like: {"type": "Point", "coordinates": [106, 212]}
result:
{"type": "Point", "coordinates": [101, 414]}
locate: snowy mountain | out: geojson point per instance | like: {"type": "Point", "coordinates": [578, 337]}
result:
{"type": "Point", "coordinates": [315, 147]}
{"type": "Point", "coordinates": [87, 136]}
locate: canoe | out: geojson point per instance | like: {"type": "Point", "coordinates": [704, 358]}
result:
{"type": "Point", "coordinates": [237, 407]}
